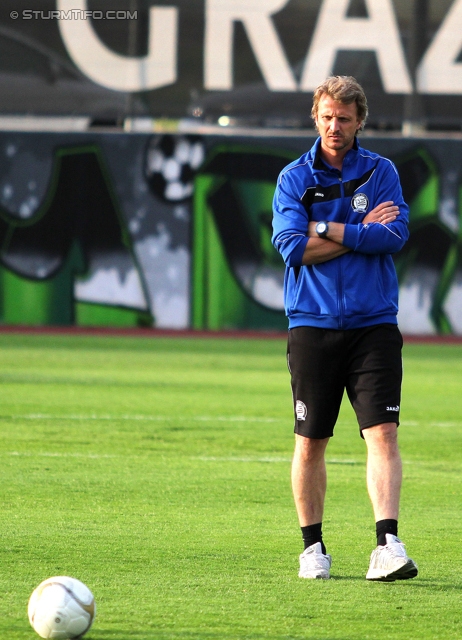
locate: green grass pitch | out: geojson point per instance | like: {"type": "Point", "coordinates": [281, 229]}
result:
{"type": "Point", "coordinates": [156, 470]}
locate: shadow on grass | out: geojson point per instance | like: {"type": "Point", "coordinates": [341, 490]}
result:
{"type": "Point", "coordinates": [420, 583]}
{"type": "Point", "coordinates": [152, 634]}
{"type": "Point", "coordinates": [415, 583]}
{"type": "Point", "coordinates": [429, 583]}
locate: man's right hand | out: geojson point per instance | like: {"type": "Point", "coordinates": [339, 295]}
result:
{"type": "Point", "coordinates": [383, 213]}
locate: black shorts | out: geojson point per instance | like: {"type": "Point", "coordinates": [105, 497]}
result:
{"type": "Point", "coordinates": [323, 363]}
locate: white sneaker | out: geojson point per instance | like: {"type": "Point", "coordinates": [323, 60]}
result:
{"type": "Point", "coordinates": [314, 563]}
{"type": "Point", "coordinates": [390, 562]}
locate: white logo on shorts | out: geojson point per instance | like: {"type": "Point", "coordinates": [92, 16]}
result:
{"type": "Point", "coordinates": [393, 408]}
{"type": "Point", "coordinates": [360, 203]}
{"type": "Point", "coordinates": [300, 410]}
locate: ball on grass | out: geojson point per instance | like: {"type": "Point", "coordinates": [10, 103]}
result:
{"type": "Point", "coordinates": [62, 608]}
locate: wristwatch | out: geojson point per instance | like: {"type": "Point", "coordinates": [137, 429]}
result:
{"type": "Point", "coordinates": [322, 229]}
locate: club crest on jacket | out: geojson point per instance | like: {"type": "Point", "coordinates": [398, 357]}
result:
{"type": "Point", "coordinates": [360, 203]}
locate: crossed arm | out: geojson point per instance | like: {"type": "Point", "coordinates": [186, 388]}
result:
{"type": "Point", "coordinates": [323, 249]}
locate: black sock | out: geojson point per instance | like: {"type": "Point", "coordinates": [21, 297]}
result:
{"type": "Point", "coordinates": [385, 526]}
{"type": "Point", "coordinates": [312, 534]}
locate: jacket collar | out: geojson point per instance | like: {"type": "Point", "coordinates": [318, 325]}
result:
{"type": "Point", "coordinates": [318, 162]}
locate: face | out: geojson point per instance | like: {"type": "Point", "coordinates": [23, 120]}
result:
{"type": "Point", "coordinates": [337, 124]}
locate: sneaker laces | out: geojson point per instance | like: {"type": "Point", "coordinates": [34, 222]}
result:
{"type": "Point", "coordinates": [396, 549]}
{"type": "Point", "coordinates": [395, 546]}
{"type": "Point", "coordinates": [316, 560]}
{"type": "Point", "coordinates": [320, 562]}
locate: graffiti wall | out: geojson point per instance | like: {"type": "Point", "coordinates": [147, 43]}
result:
{"type": "Point", "coordinates": [173, 230]}
{"type": "Point", "coordinates": [109, 225]}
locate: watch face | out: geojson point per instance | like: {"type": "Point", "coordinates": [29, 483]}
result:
{"type": "Point", "coordinates": [321, 227]}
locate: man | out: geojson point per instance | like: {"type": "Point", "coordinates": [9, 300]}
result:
{"type": "Point", "coordinates": [339, 214]}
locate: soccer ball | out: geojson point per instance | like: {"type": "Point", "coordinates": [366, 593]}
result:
{"type": "Point", "coordinates": [61, 608]}
{"type": "Point", "coordinates": [171, 164]}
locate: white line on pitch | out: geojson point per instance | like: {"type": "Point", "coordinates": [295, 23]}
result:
{"type": "Point", "coordinates": [285, 459]}
{"type": "Point", "coordinates": [45, 454]}
{"type": "Point", "coordinates": [46, 416]}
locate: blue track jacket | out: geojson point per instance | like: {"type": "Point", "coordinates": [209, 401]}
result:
{"type": "Point", "coordinates": [359, 288]}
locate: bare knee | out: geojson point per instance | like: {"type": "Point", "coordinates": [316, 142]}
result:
{"type": "Point", "coordinates": [382, 437]}
{"type": "Point", "coordinates": [310, 449]}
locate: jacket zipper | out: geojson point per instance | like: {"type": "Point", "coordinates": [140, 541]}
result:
{"type": "Point", "coordinates": [340, 304]}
